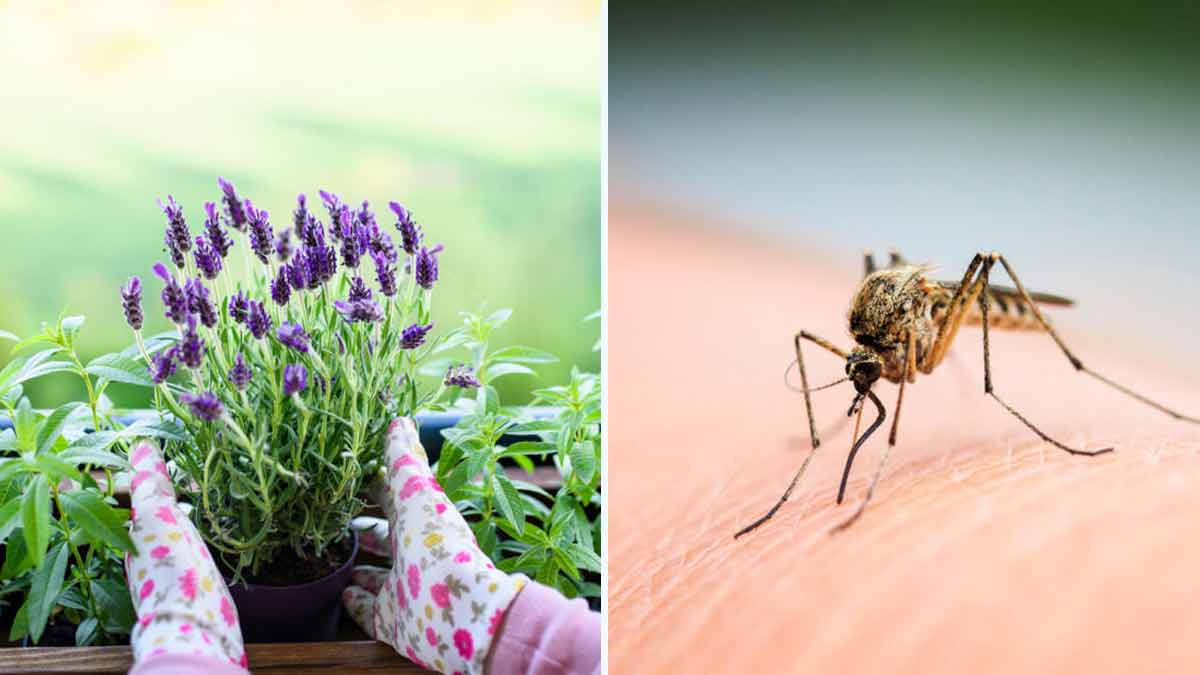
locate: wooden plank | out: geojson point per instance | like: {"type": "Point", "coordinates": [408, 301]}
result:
{"type": "Point", "coordinates": [363, 656]}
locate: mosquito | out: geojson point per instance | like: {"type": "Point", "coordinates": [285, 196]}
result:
{"type": "Point", "coordinates": [903, 323]}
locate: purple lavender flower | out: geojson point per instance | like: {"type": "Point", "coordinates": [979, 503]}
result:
{"type": "Point", "coordinates": [262, 239]}
{"type": "Point", "coordinates": [361, 310]}
{"type": "Point", "coordinates": [293, 335]}
{"type": "Point", "coordinates": [178, 239]}
{"type": "Point", "coordinates": [295, 379]}
{"type": "Point", "coordinates": [333, 204]}
{"type": "Point", "coordinates": [174, 301]}
{"type": "Point", "coordinates": [281, 290]}
{"type": "Point", "coordinates": [205, 406]}
{"type": "Point", "coordinates": [410, 232]}
{"type": "Point", "coordinates": [385, 274]}
{"type": "Point", "coordinates": [359, 290]}
{"type": "Point", "coordinates": [351, 253]}
{"type": "Point", "coordinates": [297, 273]}
{"type": "Point", "coordinates": [239, 307]}
{"type": "Point", "coordinates": [380, 243]}
{"type": "Point", "coordinates": [283, 245]}
{"type": "Point", "coordinates": [301, 218]}
{"type": "Point", "coordinates": [191, 347]}
{"type": "Point", "coordinates": [208, 260]}
{"type": "Point", "coordinates": [198, 302]}
{"type": "Point", "coordinates": [427, 266]}
{"type": "Point", "coordinates": [414, 336]}
{"type": "Point", "coordinates": [162, 365]}
{"type": "Point", "coordinates": [220, 240]}
{"type": "Point", "coordinates": [460, 375]}
{"type": "Point", "coordinates": [258, 322]}
{"type": "Point", "coordinates": [239, 374]}
{"type": "Point", "coordinates": [235, 213]}
{"type": "Point", "coordinates": [131, 302]}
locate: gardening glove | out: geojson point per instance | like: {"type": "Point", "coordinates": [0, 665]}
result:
{"type": "Point", "coordinates": [186, 618]}
{"type": "Point", "coordinates": [442, 601]}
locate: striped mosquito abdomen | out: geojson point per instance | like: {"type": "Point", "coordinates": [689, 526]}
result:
{"type": "Point", "coordinates": [1005, 312]}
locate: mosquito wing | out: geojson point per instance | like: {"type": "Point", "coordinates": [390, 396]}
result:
{"type": "Point", "coordinates": [1007, 293]}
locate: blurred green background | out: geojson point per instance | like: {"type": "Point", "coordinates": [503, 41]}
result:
{"type": "Point", "coordinates": [482, 117]}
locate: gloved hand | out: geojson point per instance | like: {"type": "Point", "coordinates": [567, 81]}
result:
{"type": "Point", "coordinates": [182, 604]}
{"type": "Point", "coordinates": [442, 601]}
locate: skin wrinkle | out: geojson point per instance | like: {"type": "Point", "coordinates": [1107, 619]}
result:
{"type": "Point", "coordinates": [984, 551]}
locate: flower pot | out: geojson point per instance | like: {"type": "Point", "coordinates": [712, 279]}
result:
{"type": "Point", "coordinates": [302, 613]}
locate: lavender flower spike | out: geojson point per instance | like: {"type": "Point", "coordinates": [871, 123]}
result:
{"type": "Point", "coordinates": [283, 245]}
{"type": "Point", "coordinates": [258, 321]}
{"type": "Point", "coordinates": [234, 211]}
{"type": "Point", "coordinates": [191, 347]}
{"type": "Point", "coordinates": [359, 290]}
{"type": "Point", "coordinates": [198, 302]}
{"type": "Point", "coordinates": [162, 365]}
{"type": "Point", "coordinates": [360, 310]}
{"type": "Point", "coordinates": [427, 266]}
{"type": "Point", "coordinates": [414, 336]}
{"type": "Point", "coordinates": [460, 375]}
{"type": "Point", "coordinates": [131, 303]}
{"type": "Point", "coordinates": [293, 335]}
{"type": "Point", "coordinates": [410, 232]}
{"type": "Point", "coordinates": [204, 406]}
{"type": "Point", "coordinates": [239, 307]}
{"type": "Point", "coordinates": [295, 379]}
{"type": "Point", "coordinates": [178, 238]}
{"type": "Point", "coordinates": [300, 218]}
{"type": "Point", "coordinates": [174, 301]}
{"type": "Point", "coordinates": [239, 374]}
{"type": "Point", "coordinates": [281, 290]}
{"type": "Point", "coordinates": [262, 239]}
{"type": "Point", "coordinates": [220, 240]}
{"type": "Point", "coordinates": [385, 274]}
{"type": "Point", "coordinates": [208, 260]}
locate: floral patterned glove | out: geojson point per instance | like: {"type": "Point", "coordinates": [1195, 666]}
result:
{"type": "Point", "coordinates": [183, 606]}
{"type": "Point", "coordinates": [441, 602]}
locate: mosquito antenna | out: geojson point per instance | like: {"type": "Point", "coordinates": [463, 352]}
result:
{"type": "Point", "coordinates": [789, 385]}
{"type": "Point", "coordinates": [862, 439]}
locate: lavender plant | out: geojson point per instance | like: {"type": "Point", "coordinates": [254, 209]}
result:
{"type": "Point", "coordinates": [286, 377]}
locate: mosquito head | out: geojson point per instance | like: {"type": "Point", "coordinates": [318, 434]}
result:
{"type": "Point", "coordinates": [864, 368]}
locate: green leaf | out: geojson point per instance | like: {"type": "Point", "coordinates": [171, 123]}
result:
{"type": "Point", "coordinates": [548, 574]}
{"type": "Point", "coordinates": [16, 558]}
{"type": "Point", "coordinates": [101, 522]}
{"type": "Point", "coordinates": [591, 317]}
{"type": "Point", "coordinates": [498, 370]}
{"type": "Point", "coordinates": [53, 425]}
{"type": "Point", "coordinates": [115, 604]}
{"type": "Point", "coordinates": [5, 335]}
{"type": "Point", "coordinates": [584, 558]}
{"type": "Point", "coordinates": [9, 518]}
{"type": "Point", "coordinates": [35, 518]}
{"type": "Point", "coordinates": [566, 564]}
{"type": "Point", "coordinates": [519, 354]}
{"type": "Point", "coordinates": [498, 318]}
{"type": "Point", "coordinates": [85, 632]}
{"type": "Point", "coordinates": [485, 536]}
{"type": "Point", "coordinates": [583, 460]}
{"type": "Point", "coordinates": [20, 624]}
{"type": "Point", "coordinates": [25, 423]}
{"type": "Point", "coordinates": [56, 468]}
{"type": "Point", "coordinates": [168, 429]}
{"type": "Point", "coordinates": [40, 338]}
{"type": "Point", "coordinates": [527, 448]}
{"type": "Point", "coordinates": [94, 457]}
{"type": "Point", "coordinates": [508, 500]}
{"type": "Point", "coordinates": [120, 368]}
{"type": "Point", "coordinates": [47, 581]}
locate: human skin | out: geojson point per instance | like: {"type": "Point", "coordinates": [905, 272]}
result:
{"type": "Point", "coordinates": [985, 549]}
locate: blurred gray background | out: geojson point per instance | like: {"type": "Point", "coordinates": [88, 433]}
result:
{"type": "Point", "coordinates": [1065, 138]}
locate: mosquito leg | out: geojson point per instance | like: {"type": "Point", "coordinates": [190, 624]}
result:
{"type": "Point", "coordinates": [987, 366]}
{"type": "Point", "coordinates": [812, 427]}
{"type": "Point", "coordinates": [1075, 360]}
{"type": "Point", "coordinates": [953, 316]}
{"type": "Point", "coordinates": [909, 365]}
{"type": "Point", "coordinates": [868, 263]}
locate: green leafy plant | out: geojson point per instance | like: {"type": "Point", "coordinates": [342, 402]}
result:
{"type": "Point", "coordinates": [285, 377]}
{"type": "Point", "coordinates": [63, 534]}
{"type": "Point", "coordinates": [554, 538]}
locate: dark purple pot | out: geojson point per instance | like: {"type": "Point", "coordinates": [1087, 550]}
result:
{"type": "Point", "coordinates": [303, 613]}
